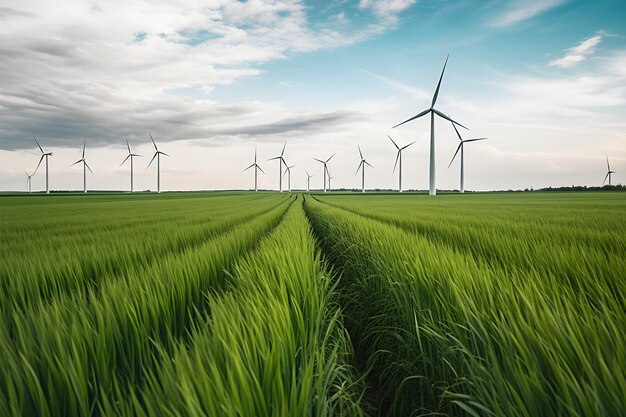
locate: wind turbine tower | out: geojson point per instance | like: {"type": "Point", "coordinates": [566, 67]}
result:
{"type": "Point", "coordinates": [85, 167]}
{"type": "Point", "coordinates": [43, 155]}
{"type": "Point", "coordinates": [288, 173]}
{"type": "Point", "coordinates": [130, 156]}
{"type": "Point", "coordinates": [432, 110]}
{"type": "Point", "coordinates": [281, 161]}
{"type": "Point", "coordinates": [399, 158]}
{"type": "Point", "coordinates": [362, 168]}
{"type": "Point", "coordinates": [308, 180]}
{"type": "Point", "coordinates": [325, 163]}
{"type": "Point", "coordinates": [609, 172]}
{"type": "Point", "coordinates": [157, 155]}
{"type": "Point", "coordinates": [460, 148]}
{"type": "Point", "coordinates": [256, 169]}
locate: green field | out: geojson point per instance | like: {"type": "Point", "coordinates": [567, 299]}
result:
{"type": "Point", "coordinates": [244, 304]}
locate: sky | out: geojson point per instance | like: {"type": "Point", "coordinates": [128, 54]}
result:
{"type": "Point", "coordinates": [543, 80]}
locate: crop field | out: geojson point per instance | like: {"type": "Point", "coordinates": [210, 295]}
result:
{"type": "Point", "coordinates": [268, 304]}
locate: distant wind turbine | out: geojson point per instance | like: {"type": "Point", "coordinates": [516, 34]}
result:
{"type": "Point", "coordinates": [281, 161]}
{"type": "Point", "coordinates": [130, 156]}
{"type": "Point", "coordinates": [288, 173]}
{"type": "Point", "coordinates": [325, 168]}
{"type": "Point", "coordinates": [609, 172]}
{"type": "Point", "coordinates": [399, 158]}
{"type": "Point", "coordinates": [28, 180]}
{"type": "Point", "coordinates": [330, 177]}
{"type": "Point", "coordinates": [256, 169]}
{"type": "Point", "coordinates": [308, 180]}
{"type": "Point", "coordinates": [433, 111]}
{"type": "Point", "coordinates": [85, 167]}
{"type": "Point", "coordinates": [362, 168]}
{"type": "Point", "coordinates": [460, 148]}
{"type": "Point", "coordinates": [43, 155]}
{"type": "Point", "coordinates": [157, 155]}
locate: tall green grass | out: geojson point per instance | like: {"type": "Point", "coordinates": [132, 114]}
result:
{"type": "Point", "coordinates": [445, 331]}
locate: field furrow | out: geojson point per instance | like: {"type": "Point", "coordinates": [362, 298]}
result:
{"type": "Point", "coordinates": [272, 346]}
{"type": "Point", "coordinates": [442, 332]}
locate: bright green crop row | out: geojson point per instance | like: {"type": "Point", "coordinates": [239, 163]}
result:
{"type": "Point", "coordinates": [64, 357]}
{"type": "Point", "coordinates": [272, 346]}
{"type": "Point", "coordinates": [444, 328]}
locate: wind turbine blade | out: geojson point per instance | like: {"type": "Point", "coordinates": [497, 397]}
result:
{"type": "Point", "coordinates": [307, 173]}
{"type": "Point", "coordinates": [607, 164]}
{"type": "Point", "coordinates": [439, 83]}
{"type": "Point", "coordinates": [331, 157]}
{"type": "Point", "coordinates": [136, 154]}
{"type": "Point", "coordinates": [127, 145]}
{"type": "Point", "coordinates": [80, 160]}
{"type": "Point", "coordinates": [396, 164]}
{"type": "Point", "coordinates": [166, 154]}
{"type": "Point", "coordinates": [457, 151]}
{"type": "Point", "coordinates": [368, 163]}
{"type": "Point", "coordinates": [277, 157]}
{"type": "Point", "coordinates": [87, 165]}
{"type": "Point", "coordinates": [359, 167]}
{"type": "Point", "coordinates": [440, 114]}
{"type": "Point", "coordinates": [40, 148]}
{"type": "Point", "coordinates": [153, 142]}
{"type": "Point", "coordinates": [248, 168]}
{"type": "Point", "coordinates": [394, 142]}
{"type": "Point", "coordinates": [607, 176]}
{"type": "Point", "coordinates": [319, 160]}
{"type": "Point", "coordinates": [284, 146]}
{"type": "Point", "coordinates": [255, 154]}
{"type": "Point", "coordinates": [84, 145]}
{"type": "Point", "coordinates": [474, 140]}
{"type": "Point", "coordinates": [406, 146]}
{"type": "Point", "coordinates": [40, 159]}
{"type": "Point", "coordinates": [125, 159]}
{"type": "Point", "coordinates": [457, 131]}
{"type": "Point", "coordinates": [360, 153]}
{"type": "Point", "coordinates": [413, 118]}
{"type": "Point", "coordinates": [155, 155]}
{"type": "Point", "coordinates": [261, 169]}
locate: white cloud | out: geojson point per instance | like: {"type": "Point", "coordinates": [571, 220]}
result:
{"type": "Point", "coordinates": [520, 10]}
{"type": "Point", "coordinates": [386, 9]}
{"type": "Point", "coordinates": [578, 53]}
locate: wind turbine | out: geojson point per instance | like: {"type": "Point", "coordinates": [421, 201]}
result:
{"type": "Point", "coordinates": [281, 161]}
{"type": "Point", "coordinates": [157, 155]}
{"type": "Point", "coordinates": [460, 148]}
{"type": "Point", "coordinates": [29, 180]}
{"type": "Point", "coordinates": [325, 168]}
{"type": "Point", "coordinates": [130, 156]}
{"type": "Point", "coordinates": [362, 168]}
{"type": "Point", "coordinates": [329, 178]}
{"type": "Point", "coordinates": [288, 173]}
{"type": "Point", "coordinates": [256, 168]}
{"type": "Point", "coordinates": [43, 155]}
{"type": "Point", "coordinates": [433, 111]}
{"type": "Point", "coordinates": [308, 180]}
{"type": "Point", "coordinates": [608, 174]}
{"type": "Point", "coordinates": [399, 158]}
{"type": "Point", "coordinates": [85, 167]}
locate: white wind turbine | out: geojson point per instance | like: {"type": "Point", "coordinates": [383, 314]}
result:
{"type": "Point", "coordinates": [399, 158]}
{"type": "Point", "coordinates": [609, 172]}
{"type": "Point", "coordinates": [157, 155]}
{"type": "Point", "coordinates": [256, 169]}
{"type": "Point", "coordinates": [330, 177]}
{"type": "Point", "coordinates": [362, 168]}
{"type": "Point", "coordinates": [433, 111]}
{"type": "Point", "coordinates": [281, 161]}
{"type": "Point", "coordinates": [308, 180]}
{"type": "Point", "coordinates": [43, 155]}
{"type": "Point", "coordinates": [325, 168]}
{"type": "Point", "coordinates": [460, 148]}
{"type": "Point", "coordinates": [130, 156]}
{"type": "Point", "coordinates": [29, 180]}
{"type": "Point", "coordinates": [288, 173]}
{"type": "Point", "coordinates": [85, 167]}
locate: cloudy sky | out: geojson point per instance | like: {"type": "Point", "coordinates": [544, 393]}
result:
{"type": "Point", "coordinates": [544, 80]}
